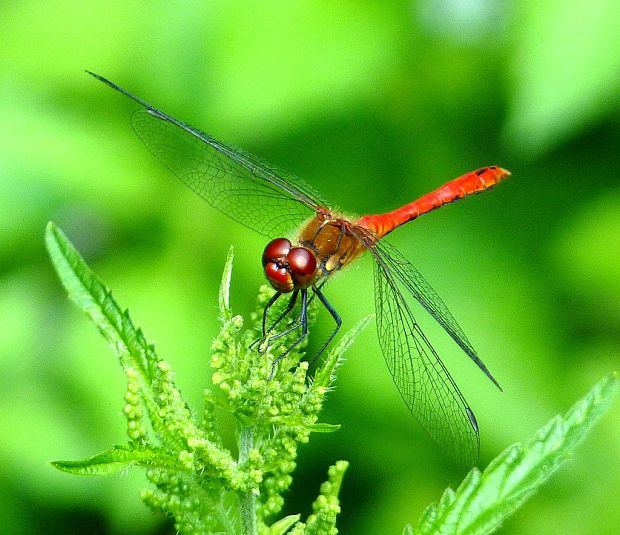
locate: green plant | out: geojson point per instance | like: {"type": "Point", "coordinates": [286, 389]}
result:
{"type": "Point", "coordinates": [198, 481]}
{"type": "Point", "coordinates": [207, 487]}
{"type": "Point", "coordinates": [485, 499]}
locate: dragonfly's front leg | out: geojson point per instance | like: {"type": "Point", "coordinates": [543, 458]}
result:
{"type": "Point", "coordinates": [264, 340]}
{"type": "Point", "coordinates": [284, 314]}
{"type": "Point", "coordinates": [263, 337]}
{"type": "Point", "coordinates": [301, 322]}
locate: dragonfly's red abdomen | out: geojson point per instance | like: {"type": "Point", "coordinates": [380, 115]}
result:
{"type": "Point", "coordinates": [288, 268]}
{"type": "Point", "coordinates": [473, 182]}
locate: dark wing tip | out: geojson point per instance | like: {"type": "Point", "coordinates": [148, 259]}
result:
{"type": "Point", "coordinates": [490, 376]}
{"type": "Point", "coordinates": [102, 79]}
{"type": "Point", "coordinates": [472, 419]}
{"type": "Point", "coordinates": [118, 88]}
{"type": "Point", "coordinates": [471, 353]}
{"type": "Point", "coordinates": [498, 386]}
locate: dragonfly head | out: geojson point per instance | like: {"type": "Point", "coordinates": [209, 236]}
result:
{"type": "Point", "coordinates": [288, 268]}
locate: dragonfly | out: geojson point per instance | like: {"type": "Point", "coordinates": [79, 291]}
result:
{"type": "Point", "coordinates": [274, 203]}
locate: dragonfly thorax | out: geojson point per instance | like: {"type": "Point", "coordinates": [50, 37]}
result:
{"type": "Point", "coordinates": [289, 268]}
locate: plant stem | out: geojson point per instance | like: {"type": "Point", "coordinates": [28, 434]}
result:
{"type": "Point", "coordinates": [247, 501]}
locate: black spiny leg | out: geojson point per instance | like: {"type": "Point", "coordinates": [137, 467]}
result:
{"type": "Point", "coordinates": [334, 314]}
{"type": "Point", "coordinates": [286, 312]}
{"type": "Point", "coordinates": [269, 304]}
{"type": "Point", "coordinates": [303, 322]}
{"type": "Point", "coordinates": [300, 321]}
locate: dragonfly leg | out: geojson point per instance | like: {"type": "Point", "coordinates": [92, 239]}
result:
{"type": "Point", "coordinates": [285, 313]}
{"type": "Point", "coordinates": [334, 314]}
{"type": "Point", "coordinates": [319, 286]}
{"type": "Point", "coordinates": [301, 322]}
{"type": "Point", "coordinates": [296, 321]}
{"type": "Point", "coordinates": [269, 304]}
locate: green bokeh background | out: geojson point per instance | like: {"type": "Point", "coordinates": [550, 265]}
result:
{"type": "Point", "coordinates": [374, 104]}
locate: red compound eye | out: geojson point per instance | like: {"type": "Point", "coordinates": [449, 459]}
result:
{"type": "Point", "coordinates": [276, 250]}
{"type": "Point", "coordinates": [279, 277]}
{"type": "Point", "coordinates": [302, 264]}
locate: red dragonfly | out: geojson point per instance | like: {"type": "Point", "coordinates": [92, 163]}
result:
{"type": "Point", "coordinates": [274, 203]}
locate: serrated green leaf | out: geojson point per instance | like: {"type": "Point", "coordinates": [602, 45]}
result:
{"type": "Point", "coordinates": [116, 459]}
{"type": "Point", "coordinates": [95, 299]}
{"type": "Point", "coordinates": [484, 500]}
{"type": "Point", "coordinates": [224, 295]}
{"type": "Point", "coordinates": [115, 324]}
{"type": "Point", "coordinates": [323, 375]}
{"type": "Point", "coordinates": [284, 524]}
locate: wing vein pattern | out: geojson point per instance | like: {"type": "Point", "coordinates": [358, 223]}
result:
{"type": "Point", "coordinates": [424, 383]}
{"type": "Point", "coordinates": [270, 201]}
{"type": "Point", "coordinates": [233, 182]}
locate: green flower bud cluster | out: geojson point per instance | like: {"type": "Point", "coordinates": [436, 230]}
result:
{"type": "Point", "coordinates": [326, 507]}
{"type": "Point", "coordinates": [134, 411]}
{"type": "Point", "coordinates": [204, 485]}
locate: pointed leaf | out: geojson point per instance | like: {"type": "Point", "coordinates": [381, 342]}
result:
{"type": "Point", "coordinates": [299, 421]}
{"type": "Point", "coordinates": [323, 375]}
{"type": "Point", "coordinates": [117, 459]}
{"type": "Point", "coordinates": [322, 427]}
{"type": "Point", "coordinates": [283, 525]}
{"type": "Point", "coordinates": [484, 500]}
{"type": "Point", "coordinates": [224, 297]}
{"type": "Point", "coordinates": [95, 299]}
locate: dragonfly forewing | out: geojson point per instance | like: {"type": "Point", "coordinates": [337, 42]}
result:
{"type": "Point", "coordinates": [224, 183]}
{"type": "Point", "coordinates": [269, 201]}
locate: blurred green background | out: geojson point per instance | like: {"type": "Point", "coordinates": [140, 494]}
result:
{"type": "Point", "coordinates": [374, 104]}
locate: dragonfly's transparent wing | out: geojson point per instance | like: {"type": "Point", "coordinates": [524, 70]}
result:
{"type": "Point", "coordinates": [423, 381]}
{"type": "Point", "coordinates": [415, 284]}
{"type": "Point", "coordinates": [250, 191]}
